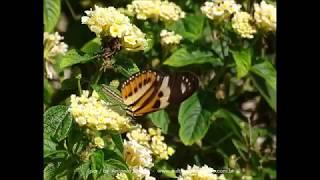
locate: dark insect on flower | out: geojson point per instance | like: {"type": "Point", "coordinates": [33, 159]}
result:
{"type": "Point", "coordinates": [110, 46]}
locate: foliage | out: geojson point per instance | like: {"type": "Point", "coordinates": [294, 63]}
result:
{"type": "Point", "coordinates": [229, 124]}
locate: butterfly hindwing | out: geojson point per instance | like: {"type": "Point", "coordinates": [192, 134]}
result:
{"type": "Point", "coordinates": [150, 91]}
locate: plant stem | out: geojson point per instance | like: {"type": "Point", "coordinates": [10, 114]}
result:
{"type": "Point", "coordinates": [97, 78]}
{"type": "Point", "coordinates": [79, 84]}
{"type": "Point", "coordinates": [73, 14]}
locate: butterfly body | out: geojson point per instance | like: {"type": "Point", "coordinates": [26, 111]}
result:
{"type": "Point", "coordinates": [149, 91]}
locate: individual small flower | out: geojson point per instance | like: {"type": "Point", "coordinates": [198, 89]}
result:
{"type": "Point", "coordinates": [241, 23]}
{"type": "Point", "coordinates": [110, 22]}
{"type": "Point", "coordinates": [265, 16]}
{"type": "Point", "coordinates": [156, 10]}
{"type": "Point", "coordinates": [197, 173]}
{"type": "Point", "coordinates": [169, 37]}
{"type": "Point", "coordinates": [121, 176]}
{"type": "Point", "coordinates": [140, 135]}
{"type": "Point", "coordinates": [220, 9]}
{"type": "Point", "coordinates": [141, 173]}
{"type": "Point", "coordinates": [95, 113]}
{"type": "Point", "coordinates": [98, 141]}
{"type": "Point", "coordinates": [53, 46]}
{"type": "Point", "coordinates": [137, 155]}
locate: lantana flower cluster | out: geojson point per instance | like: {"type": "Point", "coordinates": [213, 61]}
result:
{"type": "Point", "coordinates": [53, 46]}
{"type": "Point", "coordinates": [141, 148]}
{"type": "Point", "coordinates": [94, 113]}
{"type": "Point", "coordinates": [169, 37]}
{"type": "Point", "coordinates": [138, 158]}
{"type": "Point", "coordinates": [265, 16]}
{"type": "Point", "coordinates": [156, 10]}
{"type": "Point", "coordinates": [153, 140]}
{"type": "Point", "coordinates": [243, 23]}
{"type": "Point", "coordinates": [196, 173]}
{"type": "Point", "coordinates": [109, 22]}
{"type": "Point", "coordinates": [220, 10]}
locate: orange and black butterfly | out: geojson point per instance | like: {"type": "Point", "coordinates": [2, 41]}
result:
{"type": "Point", "coordinates": [149, 91]}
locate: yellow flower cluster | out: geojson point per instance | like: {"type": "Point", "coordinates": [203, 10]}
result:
{"type": "Point", "coordinates": [98, 141]}
{"type": "Point", "coordinates": [169, 38]}
{"type": "Point", "coordinates": [158, 147]}
{"type": "Point", "coordinates": [140, 135]}
{"type": "Point", "coordinates": [53, 45]}
{"type": "Point", "coordinates": [197, 173]}
{"type": "Point", "coordinates": [220, 9]}
{"type": "Point", "coordinates": [156, 9]}
{"type": "Point", "coordinates": [136, 155]}
{"type": "Point", "coordinates": [241, 23]}
{"type": "Point", "coordinates": [109, 22]}
{"type": "Point", "coordinates": [265, 16]}
{"type": "Point", "coordinates": [94, 113]}
{"type": "Point", "coordinates": [151, 140]}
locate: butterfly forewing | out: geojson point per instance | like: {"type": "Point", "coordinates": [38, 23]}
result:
{"type": "Point", "coordinates": [150, 91]}
{"type": "Point", "coordinates": [182, 85]}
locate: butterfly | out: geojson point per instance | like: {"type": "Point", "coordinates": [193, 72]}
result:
{"type": "Point", "coordinates": [150, 90]}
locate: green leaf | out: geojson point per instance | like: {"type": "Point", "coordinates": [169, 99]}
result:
{"type": "Point", "coordinates": [50, 148]}
{"type": "Point", "coordinates": [161, 120]}
{"type": "Point", "coordinates": [267, 92]}
{"type": "Point", "coordinates": [73, 57]}
{"type": "Point", "coordinates": [241, 148]}
{"type": "Point", "coordinates": [57, 122]}
{"type": "Point", "coordinates": [231, 120]}
{"type": "Point", "coordinates": [194, 120]}
{"type": "Point", "coordinates": [117, 139]}
{"type": "Point", "coordinates": [47, 92]}
{"type": "Point", "coordinates": [164, 168]}
{"type": "Point", "coordinates": [190, 27]}
{"type": "Point", "coordinates": [83, 170]}
{"type": "Point", "coordinates": [113, 166]}
{"type": "Point", "coordinates": [243, 61]}
{"type": "Point", "coordinates": [97, 161]}
{"type": "Point", "coordinates": [126, 66]}
{"type": "Point", "coordinates": [92, 47]}
{"type": "Point", "coordinates": [51, 13]}
{"type": "Point", "coordinates": [183, 57]}
{"type": "Point", "coordinates": [116, 164]}
{"type": "Point", "coordinates": [267, 72]}
{"type": "Point", "coordinates": [50, 172]}
{"type": "Point", "coordinates": [271, 172]}
{"type": "Point", "coordinates": [112, 154]}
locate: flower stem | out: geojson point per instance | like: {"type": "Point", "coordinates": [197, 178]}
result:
{"type": "Point", "coordinates": [79, 83]}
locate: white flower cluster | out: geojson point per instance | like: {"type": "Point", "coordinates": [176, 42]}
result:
{"type": "Point", "coordinates": [94, 113]}
{"type": "Point", "coordinates": [197, 173]}
{"type": "Point", "coordinates": [265, 16]}
{"type": "Point", "coordinates": [156, 9]}
{"type": "Point", "coordinates": [53, 45]}
{"type": "Point", "coordinates": [109, 22]}
{"type": "Point", "coordinates": [152, 140]}
{"type": "Point", "coordinates": [220, 9]}
{"type": "Point", "coordinates": [169, 37]}
{"type": "Point", "coordinates": [139, 159]}
{"type": "Point", "coordinates": [242, 25]}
